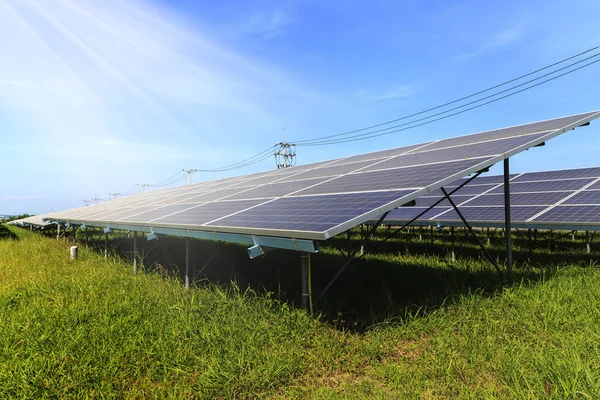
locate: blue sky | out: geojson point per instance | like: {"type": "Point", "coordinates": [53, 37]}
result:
{"type": "Point", "coordinates": [97, 96]}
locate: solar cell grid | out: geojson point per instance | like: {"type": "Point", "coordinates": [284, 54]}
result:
{"type": "Point", "coordinates": [454, 153]}
{"type": "Point", "coordinates": [492, 213]}
{"type": "Point", "coordinates": [571, 214]}
{"type": "Point", "coordinates": [407, 213]}
{"type": "Point", "coordinates": [276, 189]}
{"type": "Point", "coordinates": [327, 171]}
{"type": "Point", "coordinates": [595, 185]}
{"type": "Point", "coordinates": [204, 213]}
{"type": "Point", "coordinates": [585, 197]}
{"type": "Point", "coordinates": [560, 174]}
{"type": "Point", "coordinates": [429, 201]}
{"type": "Point", "coordinates": [309, 213]}
{"type": "Point", "coordinates": [378, 155]}
{"type": "Point", "coordinates": [410, 177]}
{"type": "Point", "coordinates": [519, 199]}
{"type": "Point", "coordinates": [465, 190]}
{"type": "Point", "coordinates": [544, 186]}
{"type": "Point", "coordinates": [543, 126]}
{"type": "Point", "coordinates": [153, 213]}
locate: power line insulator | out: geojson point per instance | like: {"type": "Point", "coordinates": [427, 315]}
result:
{"type": "Point", "coordinates": [285, 155]}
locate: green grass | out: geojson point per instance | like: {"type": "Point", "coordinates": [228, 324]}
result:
{"type": "Point", "coordinates": [425, 329]}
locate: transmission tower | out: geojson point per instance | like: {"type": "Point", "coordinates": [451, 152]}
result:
{"type": "Point", "coordinates": [285, 155]}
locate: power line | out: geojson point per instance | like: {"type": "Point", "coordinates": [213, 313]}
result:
{"type": "Point", "coordinates": [456, 113]}
{"type": "Point", "coordinates": [321, 139]}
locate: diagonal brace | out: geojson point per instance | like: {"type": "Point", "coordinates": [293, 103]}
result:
{"type": "Point", "coordinates": [487, 253]}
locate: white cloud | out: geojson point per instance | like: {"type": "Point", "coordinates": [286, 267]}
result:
{"type": "Point", "coordinates": [127, 72]}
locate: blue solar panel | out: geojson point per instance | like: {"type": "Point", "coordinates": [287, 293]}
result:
{"type": "Point", "coordinates": [405, 214]}
{"type": "Point", "coordinates": [310, 213]}
{"type": "Point", "coordinates": [492, 214]}
{"type": "Point", "coordinates": [544, 186]}
{"type": "Point", "coordinates": [204, 213]}
{"type": "Point", "coordinates": [571, 214]}
{"type": "Point", "coordinates": [519, 199]}
{"type": "Point", "coordinates": [560, 174]}
{"type": "Point", "coordinates": [585, 197]}
{"type": "Point", "coordinates": [469, 189]}
{"type": "Point", "coordinates": [429, 201]}
{"type": "Point", "coordinates": [455, 153]}
{"type": "Point", "coordinates": [411, 177]}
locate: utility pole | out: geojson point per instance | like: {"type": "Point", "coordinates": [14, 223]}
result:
{"type": "Point", "coordinates": [86, 202]}
{"type": "Point", "coordinates": [114, 195]}
{"type": "Point", "coordinates": [143, 186]}
{"type": "Point", "coordinates": [189, 172]}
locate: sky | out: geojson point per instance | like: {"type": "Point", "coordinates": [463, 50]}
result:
{"type": "Point", "coordinates": [98, 96]}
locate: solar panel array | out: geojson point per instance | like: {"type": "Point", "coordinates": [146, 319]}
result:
{"type": "Point", "coordinates": [35, 220]}
{"type": "Point", "coordinates": [317, 201]}
{"type": "Point", "coordinates": [543, 199]}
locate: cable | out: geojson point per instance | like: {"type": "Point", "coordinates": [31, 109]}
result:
{"type": "Point", "coordinates": [163, 182]}
{"type": "Point", "coordinates": [304, 142]}
{"type": "Point", "coordinates": [456, 113]}
{"type": "Point", "coordinates": [243, 163]}
{"type": "Point", "coordinates": [371, 134]}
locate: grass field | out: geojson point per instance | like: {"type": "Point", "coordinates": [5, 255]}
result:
{"type": "Point", "coordinates": [397, 325]}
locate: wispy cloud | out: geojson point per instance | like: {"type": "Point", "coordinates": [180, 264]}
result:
{"type": "Point", "coordinates": [386, 94]}
{"type": "Point", "coordinates": [503, 38]}
{"type": "Point", "coordinates": [122, 71]}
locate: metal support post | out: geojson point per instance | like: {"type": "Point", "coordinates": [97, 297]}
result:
{"type": "Point", "coordinates": [306, 282]}
{"type": "Point", "coordinates": [57, 231]}
{"type": "Point", "coordinates": [529, 244]}
{"type": "Point", "coordinates": [573, 236]}
{"type": "Point", "coordinates": [452, 239]}
{"type": "Point", "coordinates": [507, 221]}
{"type": "Point", "coordinates": [135, 252]}
{"type": "Point", "coordinates": [87, 239]}
{"type": "Point", "coordinates": [488, 235]}
{"type": "Point", "coordinates": [431, 243]}
{"type": "Point", "coordinates": [106, 245]}
{"type": "Point", "coordinates": [187, 262]}
{"type": "Point", "coordinates": [587, 241]}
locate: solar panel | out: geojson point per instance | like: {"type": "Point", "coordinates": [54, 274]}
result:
{"type": "Point", "coordinates": [546, 199]}
{"type": "Point", "coordinates": [317, 201]}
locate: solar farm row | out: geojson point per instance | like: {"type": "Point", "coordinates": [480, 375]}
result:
{"type": "Point", "coordinates": [544, 199]}
{"type": "Point", "coordinates": [320, 200]}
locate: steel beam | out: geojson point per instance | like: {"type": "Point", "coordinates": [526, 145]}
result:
{"type": "Point", "coordinates": [135, 253]}
{"type": "Point", "coordinates": [266, 242]}
{"type": "Point", "coordinates": [187, 262]}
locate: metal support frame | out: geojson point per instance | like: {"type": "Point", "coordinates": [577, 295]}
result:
{"type": "Point", "coordinates": [470, 229]}
{"type": "Point", "coordinates": [452, 238]}
{"type": "Point", "coordinates": [432, 238]}
{"type": "Point", "coordinates": [507, 221]}
{"type": "Point", "coordinates": [352, 256]}
{"type": "Point", "coordinates": [587, 241]}
{"type": "Point", "coordinates": [529, 244]}
{"type": "Point", "coordinates": [264, 243]}
{"type": "Point", "coordinates": [105, 245]}
{"type": "Point", "coordinates": [307, 302]}
{"type": "Point", "coordinates": [135, 253]}
{"type": "Point", "coordinates": [187, 263]}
